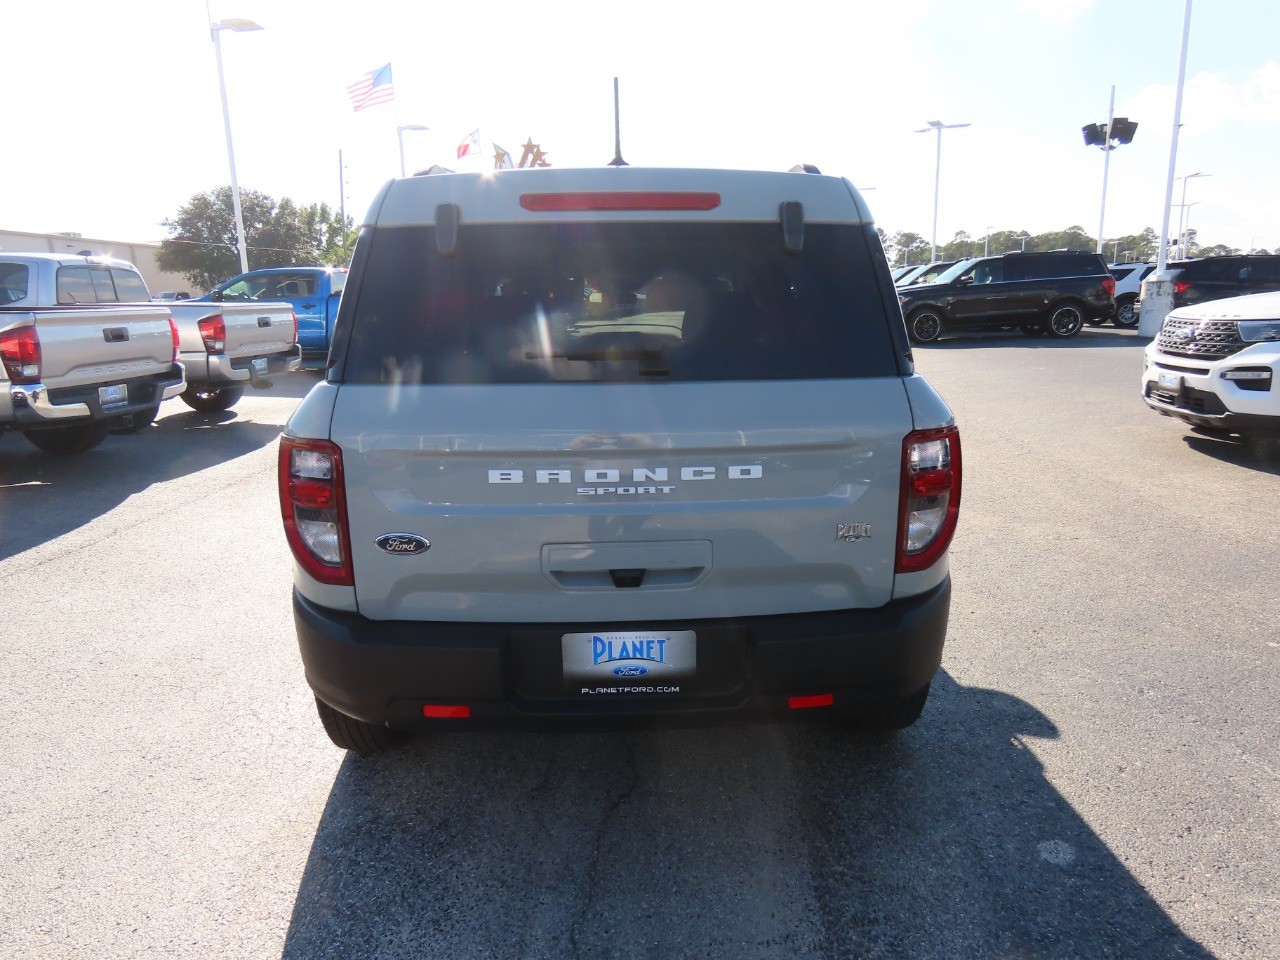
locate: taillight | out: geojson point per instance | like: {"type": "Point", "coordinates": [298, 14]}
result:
{"type": "Point", "coordinates": [314, 508]}
{"type": "Point", "coordinates": [1109, 285]}
{"type": "Point", "coordinates": [930, 501]}
{"type": "Point", "coordinates": [173, 335]}
{"type": "Point", "coordinates": [214, 334]}
{"type": "Point", "coordinates": [1180, 287]}
{"type": "Point", "coordinates": [295, 327]}
{"type": "Point", "coordinates": [20, 350]}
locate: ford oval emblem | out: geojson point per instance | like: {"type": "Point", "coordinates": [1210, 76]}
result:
{"type": "Point", "coordinates": [402, 543]}
{"type": "Point", "coordinates": [630, 671]}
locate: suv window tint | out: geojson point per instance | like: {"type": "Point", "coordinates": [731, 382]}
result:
{"type": "Point", "coordinates": [1119, 273]}
{"type": "Point", "coordinates": [74, 285]}
{"type": "Point", "coordinates": [130, 287]}
{"type": "Point", "coordinates": [14, 278]}
{"type": "Point", "coordinates": [523, 303]}
{"type": "Point", "coordinates": [988, 271]}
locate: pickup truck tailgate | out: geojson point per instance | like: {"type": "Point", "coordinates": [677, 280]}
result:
{"type": "Point", "coordinates": [251, 329]}
{"type": "Point", "coordinates": [80, 345]}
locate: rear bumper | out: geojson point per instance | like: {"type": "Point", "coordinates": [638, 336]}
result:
{"type": "Point", "coordinates": [506, 673]}
{"type": "Point", "coordinates": [218, 370]}
{"type": "Point", "coordinates": [34, 405]}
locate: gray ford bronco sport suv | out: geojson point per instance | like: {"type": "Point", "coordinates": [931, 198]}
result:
{"type": "Point", "coordinates": [618, 443]}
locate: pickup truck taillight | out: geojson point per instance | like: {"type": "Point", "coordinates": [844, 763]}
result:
{"type": "Point", "coordinates": [173, 335]}
{"type": "Point", "coordinates": [1109, 285]}
{"type": "Point", "coordinates": [213, 331]}
{"type": "Point", "coordinates": [314, 508]}
{"type": "Point", "coordinates": [930, 502]}
{"type": "Point", "coordinates": [20, 349]}
{"type": "Point", "coordinates": [295, 327]}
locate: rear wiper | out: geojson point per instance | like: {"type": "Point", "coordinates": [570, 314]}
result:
{"type": "Point", "coordinates": [649, 357]}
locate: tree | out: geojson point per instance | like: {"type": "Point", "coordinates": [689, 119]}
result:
{"type": "Point", "coordinates": [202, 241]}
{"type": "Point", "coordinates": [909, 248]}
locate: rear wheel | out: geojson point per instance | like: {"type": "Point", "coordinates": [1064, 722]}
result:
{"type": "Point", "coordinates": [1065, 320]}
{"type": "Point", "coordinates": [924, 326]}
{"type": "Point", "coordinates": [65, 441]}
{"type": "Point", "coordinates": [352, 734]}
{"type": "Point", "coordinates": [1125, 317]}
{"type": "Point", "coordinates": [211, 399]}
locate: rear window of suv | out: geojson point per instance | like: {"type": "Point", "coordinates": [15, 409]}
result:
{"type": "Point", "coordinates": [618, 302]}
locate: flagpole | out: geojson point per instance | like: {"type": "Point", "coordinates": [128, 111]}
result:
{"type": "Point", "coordinates": [617, 160]}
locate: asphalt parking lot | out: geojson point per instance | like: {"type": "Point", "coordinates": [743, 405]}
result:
{"type": "Point", "coordinates": [1096, 775]}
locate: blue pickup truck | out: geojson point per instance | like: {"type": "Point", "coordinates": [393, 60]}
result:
{"type": "Point", "coordinates": [313, 292]}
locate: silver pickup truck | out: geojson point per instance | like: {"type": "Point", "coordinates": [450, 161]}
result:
{"type": "Point", "coordinates": [69, 373]}
{"type": "Point", "coordinates": [223, 346]}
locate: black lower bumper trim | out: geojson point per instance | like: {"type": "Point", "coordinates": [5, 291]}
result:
{"type": "Point", "coordinates": [510, 673]}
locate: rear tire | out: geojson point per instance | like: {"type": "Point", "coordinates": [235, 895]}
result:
{"type": "Point", "coordinates": [65, 441]}
{"type": "Point", "coordinates": [1065, 320]}
{"type": "Point", "coordinates": [924, 326]}
{"type": "Point", "coordinates": [1124, 317]}
{"type": "Point", "coordinates": [211, 399]}
{"type": "Point", "coordinates": [357, 735]}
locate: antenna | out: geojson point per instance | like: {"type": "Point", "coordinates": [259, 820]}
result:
{"type": "Point", "coordinates": [617, 160]}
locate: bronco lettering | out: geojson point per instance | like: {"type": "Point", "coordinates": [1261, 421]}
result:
{"type": "Point", "coordinates": [597, 475]}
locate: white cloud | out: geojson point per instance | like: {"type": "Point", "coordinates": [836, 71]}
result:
{"type": "Point", "coordinates": [1210, 101]}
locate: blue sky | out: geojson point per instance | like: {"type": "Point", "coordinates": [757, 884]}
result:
{"type": "Point", "coordinates": [115, 121]}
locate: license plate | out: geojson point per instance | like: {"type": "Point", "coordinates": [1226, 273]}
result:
{"type": "Point", "coordinates": [118, 393]}
{"type": "Point", "coordinates": [260, 366]}
{"type": "Point", "coordinates": [636, 662]}
{"type": "Point", "coordinates": [1169, 382]}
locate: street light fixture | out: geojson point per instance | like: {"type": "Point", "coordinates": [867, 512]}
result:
{"type": "Point", "coordinates": [239, 26]}
{"type": "Point", "coordinates": [939, 126]}
{"type": "Point", "coordinates": [400, 129]}
{"type": "Point", "coordinates": [1116, 131]}
{"type": "Point", "coordinates": [1182, 212]}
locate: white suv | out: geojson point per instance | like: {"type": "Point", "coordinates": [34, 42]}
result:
{"type": "Point", "coordinates": [619, 442]}
{"type": "Point", "coordinates": [1128, 277]}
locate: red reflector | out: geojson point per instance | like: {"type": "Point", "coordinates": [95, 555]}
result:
{"type": "Point", "coordinates": [444, 711]}
{"type": "Point", "coordinates": [629, 200]}
{"type": "Point", "coordinates": [317, 494]}
{"type": "Point", "coordinates": [806, 703]}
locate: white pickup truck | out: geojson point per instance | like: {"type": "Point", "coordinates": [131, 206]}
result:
{"type": "Point", "coordinates": [69, 373]}
{"type": "Point", "coordinates": [223, 346]}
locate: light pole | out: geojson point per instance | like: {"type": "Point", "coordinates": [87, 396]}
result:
{"type": "Point", "coordinates": [400, 129]}
{"type": "Point", "coordinates": [1108, 136]}
{"type": "Point", "coordinates": [939, 126]}
{"type": "Point", "coordinates": [239, 26]}
{"type": "Point", "coordinates": [1182, 212]}
{"type": "Point", "coordinates": [986, 243]}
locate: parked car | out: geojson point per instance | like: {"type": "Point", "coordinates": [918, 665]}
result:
{"type": "Point", "coordinates": [312, 292]}
{"type": "Point", "coordinates": [1213, 278]}
{"type": "Point", "coordinates": [925, 273]}
{"type": "Point", "coordinates": [1216, 366]}
{"type": "Point", "coordinates": [618, 443]}
{"type": "Point", "coordinates": [71, 372]}
{"type": "Point", "coordinates": [1128, 277]}
{"type": "Point", "coordinates": [223, 347]}
{"type": "Point", "coordinates": [171, 295]}
{"type": "Point", "coordinates": [1039, 293]}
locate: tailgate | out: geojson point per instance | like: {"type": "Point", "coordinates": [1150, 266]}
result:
{"type": "Point", "coordinates": [574, 502]}
{"type": "Point", "coordinates": [252, 329]}
{"type": "Point", "coordinates": [82, 346]}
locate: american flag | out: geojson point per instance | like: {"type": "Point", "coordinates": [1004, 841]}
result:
{"type": "Point", "coordinates": [374, 87]}
{"type": "Point", "coordinates": [472, 142]}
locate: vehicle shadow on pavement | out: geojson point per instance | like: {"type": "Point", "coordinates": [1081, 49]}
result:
{"type": "Point", "coordinates": [788, 841]}
{"type": "Point", "coordinates": [43, 497]}
{"type": "Point", "coordinates": [1263, 456]}
{"type": "Point", "coordinates": [1087, 339]}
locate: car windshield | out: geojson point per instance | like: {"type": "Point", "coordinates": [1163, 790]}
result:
{"type": "Point", "coordinates": [954, 271]}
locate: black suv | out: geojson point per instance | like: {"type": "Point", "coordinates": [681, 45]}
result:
{"type": "Point", "coordinates": [1039, 293]}
{"type": "Point", "coordinates": [1214, 278]}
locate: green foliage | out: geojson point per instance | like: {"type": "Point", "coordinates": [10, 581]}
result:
{"type": "Point", "coordinates": [202, 241]}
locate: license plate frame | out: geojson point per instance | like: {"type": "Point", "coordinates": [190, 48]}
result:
{"type": "Point", "coordinates": [631, 662]}
{"type": "Point", "coordinates": [113, 394]}
{"type": "Point", "coordinates": [1169, 383]}
{"type": "Point", "coordinates": [259, 366]}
